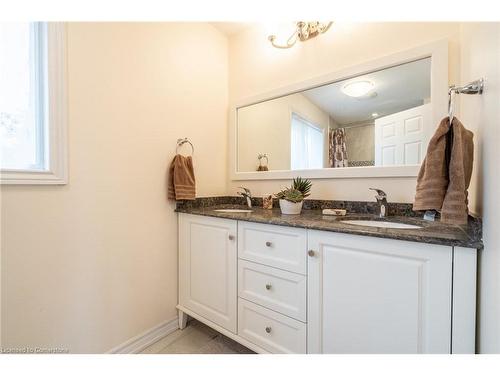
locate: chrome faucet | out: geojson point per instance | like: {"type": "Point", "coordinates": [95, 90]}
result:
{"type": "Point", "coordinates": [247, 194]}
{"type": "Point", "coordinates": [381, 198]}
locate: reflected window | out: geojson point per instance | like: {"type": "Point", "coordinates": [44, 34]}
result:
{"type": "Point", "coordinates": [307, 144]}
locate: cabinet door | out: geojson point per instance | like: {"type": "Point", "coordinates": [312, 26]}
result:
{"type": "Point", "coordinates": [208, 268]}
{"type": "Point", "coordinates": [374, 295]}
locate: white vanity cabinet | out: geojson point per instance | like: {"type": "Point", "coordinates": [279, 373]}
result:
{"type": "Point", "coordinates": [376, 295]}
{"type": "Point", "coordinates": [207, 268]}
{"type": "Point", "coordinates": [278, 289]}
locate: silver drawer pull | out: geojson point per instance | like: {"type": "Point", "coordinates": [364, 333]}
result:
{"type": "Point", "coordinates": [311, 253]}
{"type": "Point", "coordinates": [269, 244]}
{"type": "Point", "coordinates": [231, 237]}
{"type": "Point", "coordinates": [268, 286]}
{"type": "Point", "coordinates": [268, 329]}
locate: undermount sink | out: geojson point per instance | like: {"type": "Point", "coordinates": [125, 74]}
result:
{"type": "Point", "coordinates": [233, 210]}
{"type": "Point", "coordinates": [381, 224]}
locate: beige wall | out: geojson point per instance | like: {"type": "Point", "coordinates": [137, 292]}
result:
{"type": "Point", "coordinates": [480, 53]}
{"type": "Point", "coordinates": [265, 128]}
{"type": "Point", "coordinates": [89, 265]}
{"type": "Point", "coordinates": [255, 67]}
{"type": "Point", "coordinates": [360, 142]}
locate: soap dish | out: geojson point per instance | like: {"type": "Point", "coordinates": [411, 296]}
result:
{"type": "Point", "coordinates": [334, 211]}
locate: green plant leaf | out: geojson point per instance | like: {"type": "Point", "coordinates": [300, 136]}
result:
{"type": "Point", "coordinates": [290, 194]}
{"type": "Point", "coordinates": [303, 185]}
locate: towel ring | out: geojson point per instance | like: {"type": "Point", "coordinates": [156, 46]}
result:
{"type": "Point", "coordinates": [182, 141]}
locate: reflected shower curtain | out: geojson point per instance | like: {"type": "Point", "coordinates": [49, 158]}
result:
{"type": "Point", "coordinates": [337, 148]}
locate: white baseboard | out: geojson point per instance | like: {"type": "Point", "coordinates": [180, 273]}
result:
{"type": "Point", "coordinates": [140, 342]}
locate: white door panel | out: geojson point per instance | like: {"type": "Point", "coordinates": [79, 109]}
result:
{"type": "Point", "coordinates": [401, 138]}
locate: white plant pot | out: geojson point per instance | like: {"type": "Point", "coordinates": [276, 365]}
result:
{"type": "Point", "coordinates": [290, 208]}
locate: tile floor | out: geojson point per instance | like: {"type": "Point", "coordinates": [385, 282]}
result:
{"type": "Point", "coordinates": [196, 338]}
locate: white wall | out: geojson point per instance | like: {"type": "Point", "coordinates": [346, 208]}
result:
{"type": "Point", "coordinates": [480, 57]}
{"type": "Point", "coordinates": [261, 125]}
{"type": "Point", "coordinates": [89, 265]}
{"type": "Point", "coordinates": [255, 67]}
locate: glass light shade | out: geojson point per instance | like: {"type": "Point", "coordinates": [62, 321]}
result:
{"type": "Point", "coordinates": [357, 89]}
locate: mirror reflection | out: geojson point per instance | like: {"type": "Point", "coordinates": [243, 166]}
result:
{"type": "Point", "coordinates": [376, 119]}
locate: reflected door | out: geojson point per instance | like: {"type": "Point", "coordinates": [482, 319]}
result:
{"type": "Point", "coordinates": [400, 138]}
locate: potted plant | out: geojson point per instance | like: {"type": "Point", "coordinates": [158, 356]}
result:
{"type": "Point", "coordinates": [292, 198]}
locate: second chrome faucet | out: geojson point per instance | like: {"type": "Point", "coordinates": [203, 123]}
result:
{"type": "Point", "coordinates": [381, 198]}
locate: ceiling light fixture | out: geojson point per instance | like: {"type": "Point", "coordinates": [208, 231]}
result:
{"type": "Point", "coordinates": [304, 31]}
{"type": "Point", "coordinates": [374, 114]}
{"type": "Point", "coordinates": [357, 89]}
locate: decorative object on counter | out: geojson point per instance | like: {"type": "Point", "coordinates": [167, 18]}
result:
{"type": "Point", "coordinates": [334, 211]}
{"type": "Point", "coordinates": [430, 215]}
{"type": "Point", "coordinates": [267, 202]}
{"type": "Point", "coordinates": [291, 199]}
{"type": "Point", "coordinates": [181, 180]}
{"type": "Point", "coordinates": [263, 168]}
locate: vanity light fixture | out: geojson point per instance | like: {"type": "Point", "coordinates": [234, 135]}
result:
{"type": "Point", "coordinates": [303, 31]}
{"type": "Point", "coordinates": [357, 89]}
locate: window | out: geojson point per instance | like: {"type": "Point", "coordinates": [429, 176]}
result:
{"type": "Point", "coordinates": [307, 144]}
{"type": "Point", "coordinates": [32, 103]}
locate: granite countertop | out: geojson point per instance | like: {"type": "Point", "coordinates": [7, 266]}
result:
{"type": "Point", "coordinates": [312, 218]}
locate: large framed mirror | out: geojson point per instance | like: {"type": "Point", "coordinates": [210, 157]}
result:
{"type": "Point", "coordinates": [369, 120]}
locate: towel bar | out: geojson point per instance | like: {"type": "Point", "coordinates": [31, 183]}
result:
{"type": "Point", "coordinates": [472, 88]}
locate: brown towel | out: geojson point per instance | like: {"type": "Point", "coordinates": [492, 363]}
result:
{"type": "Point", "coordinates": [181, 182]}
{"type": "Point", "coordinates": [441, 187]}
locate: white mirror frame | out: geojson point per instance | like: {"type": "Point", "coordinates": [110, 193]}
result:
{"type": "Point", "coordinates": [437, 51]}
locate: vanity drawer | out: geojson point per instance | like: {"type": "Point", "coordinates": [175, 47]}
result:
{"type": "Point", "coordinates": [270, 330]}
{"type": "Point", "coordinates": [272, 245]}
{"type": "Point", "coordinates": [281, 291]}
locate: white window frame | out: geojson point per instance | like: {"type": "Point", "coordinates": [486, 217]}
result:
{"type": "Point", "coordinates": [56, 172]}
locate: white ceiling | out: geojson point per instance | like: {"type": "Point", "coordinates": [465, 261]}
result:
{"type": "Point", "coordinates": [231, 28]}
{"type": "Point", "coordinates": [398, 88]}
